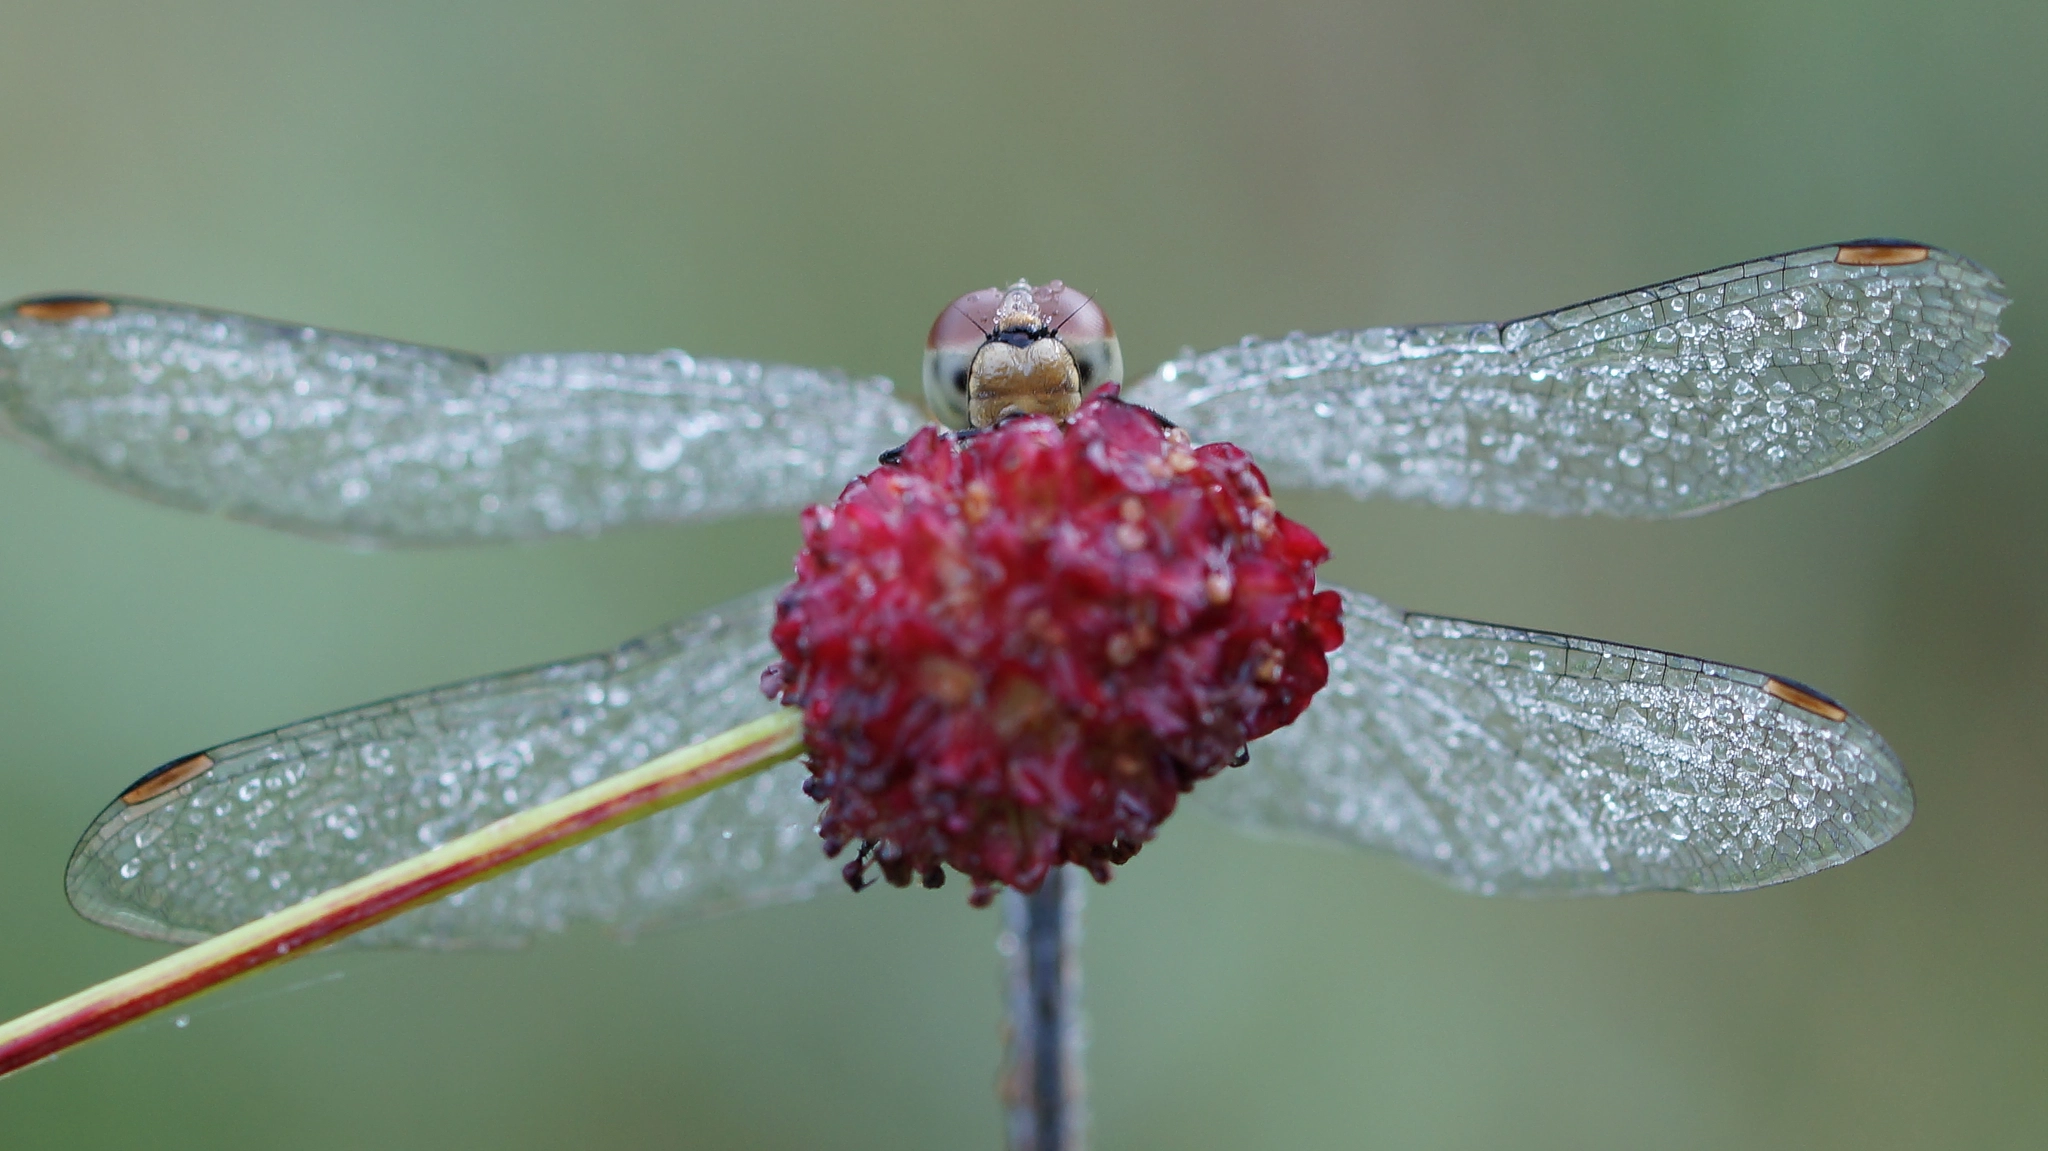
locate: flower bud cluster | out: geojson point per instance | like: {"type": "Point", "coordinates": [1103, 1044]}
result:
{"type": "Point", "coordinates": [1016, 648]}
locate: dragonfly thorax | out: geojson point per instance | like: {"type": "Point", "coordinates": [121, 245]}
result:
{"type": "Point", "coordinates": [1017, 350]}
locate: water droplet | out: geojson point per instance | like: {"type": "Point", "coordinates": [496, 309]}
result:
{"type": "Point", "coordinates": [659, 457]}
{"type": "Point", "coordinates": [346, 820]}
{"type": "Point", "coordinates": [252, 422]}
{"type": "Point", "coordinates": [182, 1021]}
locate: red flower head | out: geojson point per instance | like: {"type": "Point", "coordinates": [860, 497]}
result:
{"type": "Point", "coordinates": [1016, 648]}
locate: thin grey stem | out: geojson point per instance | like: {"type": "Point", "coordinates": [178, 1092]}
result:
{"type": "Point", "coordinates": [1044, 1085]}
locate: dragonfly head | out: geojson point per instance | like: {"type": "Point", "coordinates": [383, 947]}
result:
{"type": "Point", "coordinates": [1017, 350]}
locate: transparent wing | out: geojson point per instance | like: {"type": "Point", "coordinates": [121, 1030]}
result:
{"type": "Point", "coordinates": [1510, 761]}
{"type": "Point", "coordinates": [352, 437]}
{"type": "Point", "coordinates": [214, 840]}
{"type": "Point", "coordinates": [1669, 400]}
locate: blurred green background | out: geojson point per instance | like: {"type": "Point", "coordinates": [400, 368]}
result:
{"type": "Point", "coordinates": [810, 182]}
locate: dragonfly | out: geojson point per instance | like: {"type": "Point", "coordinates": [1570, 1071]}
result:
{"type": "Point", "coordinates": [1503, 760]}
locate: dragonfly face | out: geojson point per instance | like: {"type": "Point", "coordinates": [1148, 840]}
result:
{"type": "Point", "coordinates": [1497, 758]}
{"type": "Point", "coordinates": [1018, 350]}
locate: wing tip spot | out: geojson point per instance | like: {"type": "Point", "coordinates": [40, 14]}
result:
{"type": "Point", "coordinates": [165, 778]}
{"type": "Point", "coordinates": [1880, 253]}
{"type": "Point", "coordinates": [57, 309]}
{"type": "Point", "coordinates": [1804, 698]}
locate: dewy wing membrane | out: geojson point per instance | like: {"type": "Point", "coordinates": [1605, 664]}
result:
{"type": "Point", "coordinates": [1501, 760]}
{"type": "Point", "coordinates": [1514, 761]}
{"type": "Point", "coordinates": [1669, 400]}
{"type": "Point", "coordinates": [375, 441]}
{"type": "Point", "coordinates": [290, 813]}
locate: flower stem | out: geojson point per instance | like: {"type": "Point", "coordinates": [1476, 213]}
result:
{"type": "Point", "coordinates": [512, 842]}
{"type": "Point", "coordinates": [1044, 1082]}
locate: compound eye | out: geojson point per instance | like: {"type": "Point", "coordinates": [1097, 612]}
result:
{"type": "Point", "coordinates": [1097, 361]}
{"type": "Point", "coordinates": [962, 327]}
{"type": "Point", "coordinates": [1073, 314]}
{"type": "Point", "coordinates": [1086, 332]}
{"type": "Point", "coordinates": [945, 384]}
{"type": "Point", "coordinates": [965, 323]}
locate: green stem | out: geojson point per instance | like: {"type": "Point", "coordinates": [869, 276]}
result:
{"type": "Point", "coordinates": [512, 842]}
